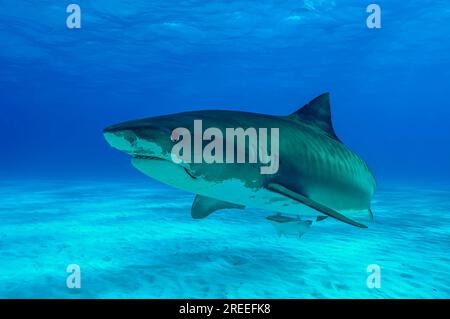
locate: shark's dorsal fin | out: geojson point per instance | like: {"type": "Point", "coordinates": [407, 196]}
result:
{"type": "Point", "coordinates": [317, 113]}
{"type": "Point", "coordinates": [204, 206]}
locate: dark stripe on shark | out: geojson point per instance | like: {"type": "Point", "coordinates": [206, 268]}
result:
{"type": "Point", "coordinates": [313, 204]}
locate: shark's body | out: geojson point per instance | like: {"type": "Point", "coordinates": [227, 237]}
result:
{"type": "Point", "coordinates": [317, 176]}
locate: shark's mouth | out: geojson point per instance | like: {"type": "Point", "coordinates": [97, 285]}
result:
{"type": "Point", "coordinates": [148, 157]}
{"type": "Point", "coordinates": [151, 157]}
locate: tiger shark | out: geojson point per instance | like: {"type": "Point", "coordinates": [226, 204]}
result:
{"type": "Point", "coordinates": [318, 175]}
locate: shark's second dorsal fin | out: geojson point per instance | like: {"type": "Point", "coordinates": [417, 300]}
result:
{"type": "Point", "coordinates": [316, 113]}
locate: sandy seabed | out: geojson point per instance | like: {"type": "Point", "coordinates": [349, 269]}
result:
{"type": "Point", "coordinates": [138, 240]}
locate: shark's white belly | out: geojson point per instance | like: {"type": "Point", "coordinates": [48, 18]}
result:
{"type": "Point", "coordinates": [232, 190]}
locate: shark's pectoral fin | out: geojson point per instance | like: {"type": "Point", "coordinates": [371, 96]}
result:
{"type": "Point", "coordinates": [204, 206]}
{"type": "Point", "coordinates": [280, 189]}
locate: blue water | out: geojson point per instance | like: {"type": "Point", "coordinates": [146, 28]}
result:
{"type": "Point", "coordinates": [66, 197]}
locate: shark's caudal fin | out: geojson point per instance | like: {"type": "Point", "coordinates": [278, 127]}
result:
{"type": "Point", "coordinates": [370, 215]}
{"type": "Point", "coordinates": [204, 206]}
{"type": "Point", "coordinates": [317, 113]}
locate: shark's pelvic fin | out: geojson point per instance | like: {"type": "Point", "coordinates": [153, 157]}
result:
{"type": "Point", "coordinates": [317, 113]}
{"type": "Point", "coordinates": [204, 206]}
{"type": "Point", "coordinates": [311, 203]}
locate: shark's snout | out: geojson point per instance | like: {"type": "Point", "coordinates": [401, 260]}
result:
{"type": "Point", "coordinates": [123, 140]}
{"type": "Point", "coordinates": [138, 139]}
